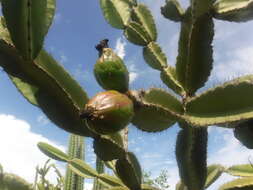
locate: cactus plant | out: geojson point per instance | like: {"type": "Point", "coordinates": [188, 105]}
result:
{"type": "Point", "coordinates": [100, 169]}
{"type": "Point", "coordinates": [34, 72]}
{"type": "Point", "coordinates": [75, 150]}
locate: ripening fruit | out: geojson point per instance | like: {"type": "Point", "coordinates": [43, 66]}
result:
{"type": "Point", "coordinates": [109, 70]}
{"type": "Point", "coordinates": [108, 112]}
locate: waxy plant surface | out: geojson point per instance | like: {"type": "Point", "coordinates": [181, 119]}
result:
{"type": "Point", "coordinates": [76, 29]}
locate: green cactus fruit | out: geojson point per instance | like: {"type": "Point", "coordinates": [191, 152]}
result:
{"type": "Point", "coordinates": [109, 70]}
{"type": "Point", "coordinates": [108, 112]}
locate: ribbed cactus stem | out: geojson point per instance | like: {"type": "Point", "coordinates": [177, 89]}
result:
{"type": "Point", "coordinates": [100, 169]}
{"type": "Point", "coordinates": [124, 134]}
{"type": "Point", "coordinates": [75, 150]}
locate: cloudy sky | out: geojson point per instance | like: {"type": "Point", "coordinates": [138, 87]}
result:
{"type": "Point", "coordinates": [77, 28]}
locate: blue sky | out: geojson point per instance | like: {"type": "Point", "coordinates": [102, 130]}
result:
{"type": "Point", "coordinates": [77, 28]}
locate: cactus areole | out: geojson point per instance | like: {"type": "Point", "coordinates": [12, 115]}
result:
{"type": "Point", "coordinates": [109, 70]}
{"type": "Point", "coordinates": [108, 112]}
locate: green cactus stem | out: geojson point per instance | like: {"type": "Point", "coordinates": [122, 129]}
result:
{"type": "Point", "coordinates": [142, 15]}
{"type": "Point", "coordinates": [191, 150]}
{"type": "Point", "coordinates": [244, 133]}
{"type": "Point", "coordinates": [242, 170]}
{"type": "Point", "coordinates": [116, 12]}
{"type": "Point", "coordinates": [233, 11]}
{"type": "Point", "coordinates": [213, 173]}
{"type": "Point", "coordinates": [100, 169]}
{"type": "Point", "coordinates": [129, 171]}
{"type": "Point", "coordinates": [107, 149]}
{"type": "Point", "coordinates": [172, 10]}
{"type": "Point", "coordinates": [28, 22]}
{"type": "Point", "coordinates": [75, 150]}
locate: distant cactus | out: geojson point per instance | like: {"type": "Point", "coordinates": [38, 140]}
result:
{"type": "Point", "coordinates": [100, 169]}
{"type": "Point", "coordinates": [35, 73]}
{"type": "Point", "coordinates": [75, 150]}
{"type": "Point", "coordinates": [10, 181]}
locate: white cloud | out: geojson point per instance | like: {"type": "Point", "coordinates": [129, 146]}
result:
{"type": "Point", "coordinates": [225, 31]}
{"type": "Point", "coordinates": [173, 177]}
{"type": "Point", "coordinates": [81, 74]}
{"type": "Point", "coordinates": [237, 63]}
{"type": "Point", "coordinates": [231, 149]}
{"type": "Point", "coordinates": [18, 146]}
{"type": "Point", "coordinates": [230, 153]}
{"type": "Point", "coordinates": [131, 141]}
{"type": "Point", "coordinates": [151, 155]}
{"type": "Point", "coordinates": [133, 73]}
{"type": "Point", "coordinates": [42, 120]}
{"type": "Point", "coordinates": [90, 154]}
{"type": "Point", "coordinates": [132, 77]}
{"type": "Point", "coordinates": [120, 48]}
{"type": "Point", "coordinates": [137, 149]}
{"type": "Point", "coordinates": [88, 186]}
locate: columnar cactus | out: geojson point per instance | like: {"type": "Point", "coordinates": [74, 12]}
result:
{"type": "Point", "coordinates": [34, 72]}
{"type": "Point", "coordinates": [75, 150]}
{"type": "Point", "coordinates": [100, 169]}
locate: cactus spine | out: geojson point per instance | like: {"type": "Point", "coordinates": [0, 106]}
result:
{"type": "Point", "coordinates": [75, 150]}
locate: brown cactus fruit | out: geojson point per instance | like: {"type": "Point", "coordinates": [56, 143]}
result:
{"type": "Point", "coordinates": [108, 112]}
